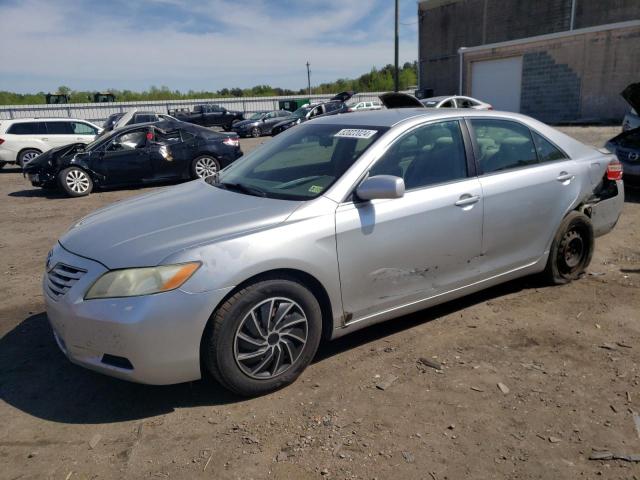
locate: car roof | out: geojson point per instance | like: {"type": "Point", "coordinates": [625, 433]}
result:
{"type": "Point", "coordinates": [45, 119]}
{"type": "Point", "coordinates": [394, 116]}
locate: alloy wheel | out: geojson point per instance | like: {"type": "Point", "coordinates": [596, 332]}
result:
{"type": "Point", "coordinates": [27, 157]}
{"type": "Point", "coordinates": [77, 181]}
{"type": "Point", "coordinates": [206, 167]}
{"type": "Point", "coordinates": [270, 338]}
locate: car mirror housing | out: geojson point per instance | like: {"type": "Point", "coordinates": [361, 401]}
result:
{"type": "Point", "coordinates": [381, 186]}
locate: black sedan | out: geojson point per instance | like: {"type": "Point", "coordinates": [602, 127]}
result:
{"type": "Point", "coordinates": [260, 123]}
{"type": "Point", "coordinates": [136, 154]}
{"type": "Point", "coordinates": [319, 109]}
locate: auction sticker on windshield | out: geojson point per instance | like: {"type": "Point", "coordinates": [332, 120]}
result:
{"type": "Point", "coordinates": [355, 133]}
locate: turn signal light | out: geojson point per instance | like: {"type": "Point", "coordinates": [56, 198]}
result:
{"type": "Point", "coordinates": [614, 170]}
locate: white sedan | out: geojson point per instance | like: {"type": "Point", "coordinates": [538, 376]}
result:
{"type": "Point", "coordinates": [456, 101]}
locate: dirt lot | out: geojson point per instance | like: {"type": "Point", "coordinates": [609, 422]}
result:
{"type": "Point", "coordinates": [569, 357]}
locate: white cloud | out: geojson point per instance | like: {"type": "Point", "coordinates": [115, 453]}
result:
{"type": "Point", "coordinates": [254, 45]}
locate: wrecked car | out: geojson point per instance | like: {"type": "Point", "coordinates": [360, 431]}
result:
{"type": "Point", "coordinates": [337, 224]}
{"type": "Point", "coordinates": [209, 116]}
{"type": "Point", "coordinates": [136, 154]}
{"type": "Point", "coordinates": [334, 106]}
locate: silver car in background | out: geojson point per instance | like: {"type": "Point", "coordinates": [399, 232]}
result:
{"type": "Point", "coordinates": [341, 223]}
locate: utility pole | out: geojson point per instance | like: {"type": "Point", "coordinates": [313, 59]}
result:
{"type": "Point", "coordinates": [396, 80]}
{"type": "Point", "coordinates": [308, 77]}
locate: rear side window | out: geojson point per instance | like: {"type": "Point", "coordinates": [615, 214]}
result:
{"type": "Point", "coordinates": [503, 145]}
{"type": "Point", "coordinates": [59, 128]}
{"type": "Point", "coordinates": [428, 155]}
{"type": "Point", "coordinates": [547, 152]}
{"type": "Point", "coordinates": [27, 128]}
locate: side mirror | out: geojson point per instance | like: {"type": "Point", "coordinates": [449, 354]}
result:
{"type": "Point", "coordinates": [381, 186]}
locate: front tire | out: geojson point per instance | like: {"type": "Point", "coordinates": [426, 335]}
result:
{"type": "Point", "coordinates": [256, 132]}
{"type": "Point", "coordinates": [204, 166]}
{"type": "Point", "coordinates": [75, 182]}
{"type": "Point", "coordinates": [571, 249]}
{"type": "Point", "coordinates": [263, 337]}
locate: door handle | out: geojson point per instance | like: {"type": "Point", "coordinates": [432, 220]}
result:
{"type": "Point", "coordinates": [467, 199]}
{"type": "Point", "coordinates": [564, 176]}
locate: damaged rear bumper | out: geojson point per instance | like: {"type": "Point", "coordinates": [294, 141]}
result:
{"type": "Point", "coordinates": [605, 213]}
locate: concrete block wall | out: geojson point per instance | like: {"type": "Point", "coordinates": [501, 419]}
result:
{"type": "Point", "coordinates": [446, 25]}
{"type": "Point", "coordinates": [574, 78]}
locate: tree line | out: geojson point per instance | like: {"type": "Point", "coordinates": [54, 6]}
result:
{"type": "Point", "coordinates": [376, 80]}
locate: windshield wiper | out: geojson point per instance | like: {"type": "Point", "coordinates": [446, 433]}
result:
{"type": "Point", "coordinates": [298, 181]}
{"type": "Point", "coordinates": [241, 187]}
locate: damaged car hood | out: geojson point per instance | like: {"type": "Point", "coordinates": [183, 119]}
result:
{"type": "Point", "coordinates": [632, 95]}
{"type": "Point", "coordinates": [145, 230]}
{"type": "Point", "coordinates": [400, 100]}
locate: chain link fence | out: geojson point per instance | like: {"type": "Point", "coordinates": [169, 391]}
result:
{"type": "Point", "coordinates": [98, 112]}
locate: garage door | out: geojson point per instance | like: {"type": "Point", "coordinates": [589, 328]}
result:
{"type": "Point", "coordinates": [498, 82]}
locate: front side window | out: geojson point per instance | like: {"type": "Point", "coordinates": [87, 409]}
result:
{"type": "Point", "coordinates": [83, 129]}
{"type": "Point", "coordinates": [59, 128]}
{"type": "Point", "coordinates": [503, 145]}
{"type": "Point", "coordinates": [547, 152]}
{"type": "Point", "coordinates": [428, 155]}
{"type": "Point", "coordinates": [128, 141]}
{"type": "Point", "coordinates": [301, 164]}
{"type": "Point", "coordinates": [28, 128]}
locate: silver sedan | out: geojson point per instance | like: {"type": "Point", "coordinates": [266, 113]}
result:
{"type": "Point", "coordinates": [335, 225]}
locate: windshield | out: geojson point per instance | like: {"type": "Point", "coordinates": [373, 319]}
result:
{"type": "Point", "coordinates": [257, 116]}
{"type": "Point", "coordinates": [300, 164]}
{"type": "Point", "coordinates": [301, 112]}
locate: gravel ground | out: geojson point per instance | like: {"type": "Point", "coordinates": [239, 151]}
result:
{"type": "Point", "coordinates": [533, 379]}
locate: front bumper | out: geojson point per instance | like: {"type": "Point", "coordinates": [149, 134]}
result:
{"type": "Point", "coordinates": [158, 335]}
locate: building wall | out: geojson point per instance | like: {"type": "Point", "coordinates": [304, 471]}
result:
{"type": "Point", "coordinates": [574, 78]}
{"type": "Point", "coordinates": [446, 25]}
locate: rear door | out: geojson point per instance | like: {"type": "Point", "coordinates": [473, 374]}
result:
{"type": "Point", "coordinates": [125, 159]}
{"type": "Point", "coordinates": [170, 153]}
{"type": "Point", "coordinates": [402, 251]}
{"type": "Point", "coordinates": [528, 184]}
{"type": "Point", "coordinates": [60, 133]}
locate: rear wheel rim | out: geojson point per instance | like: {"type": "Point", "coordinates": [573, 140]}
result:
{"type": "Point", "coordinates": [206, 167]}
{"type": "Point", "coordinates": [270, 338]}
{"type": "Point", "coordinates": [255, 132]}
{"type": "Point", "coordinates": [77, 181]}
{"type": "Point", "coordinates": [573, 251]}
{"type": "Point", "coordinates": [28, 156]}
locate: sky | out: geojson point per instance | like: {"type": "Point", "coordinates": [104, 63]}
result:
{"type": "Point", "coordinates": [196, 44]}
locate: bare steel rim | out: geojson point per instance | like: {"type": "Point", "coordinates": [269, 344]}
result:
{"type": "Point", "coordinates": [270, 338]}
{"type": "Point", "coordinates": [77, 181]}
{"type": "Point", "coordinates": [206, 167]}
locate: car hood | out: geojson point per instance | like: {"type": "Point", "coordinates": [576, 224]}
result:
{"type": "Point", "coordinates": [50, 157]}
{"type": "Point", "coordinates": [289, 121]}
{"type": "Point", "coordinates": [400, 100]}
{"type": "Point", "coordinates": [632, 95]}
{"type": "Point", "coordinates": [343, 96]}
{"type": "Point", "coordinates": [145, 230]}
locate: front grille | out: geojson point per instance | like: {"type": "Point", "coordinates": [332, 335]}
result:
{"type": "Point", "coordinates": [61, 278]}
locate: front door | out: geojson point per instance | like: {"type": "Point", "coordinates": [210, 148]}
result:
{"type": "Point", "coordinates": [398, 252]}
{"type": "Point", "coordinates": [126, 159]}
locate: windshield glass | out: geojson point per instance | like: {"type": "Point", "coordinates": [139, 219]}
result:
{"type": "Point", "coordinates": [301, 112]}
{"type": "Point", "coordinates": [257, 116]}
{"type": "Point", "coordinates": [300, 164]}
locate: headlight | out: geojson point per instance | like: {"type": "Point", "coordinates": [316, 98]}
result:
{"type": "Point", "coordinates": [133, 282]}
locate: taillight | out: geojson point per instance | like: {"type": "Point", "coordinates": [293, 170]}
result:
{"type": "Point", "coordinates": [232, 141]}
{"type": "Point", "coordinates": [614, 170]}
{"type": "Point", "coordinates": [1, 141]}
{"type": "Point", "coordinates": [490, 107]}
